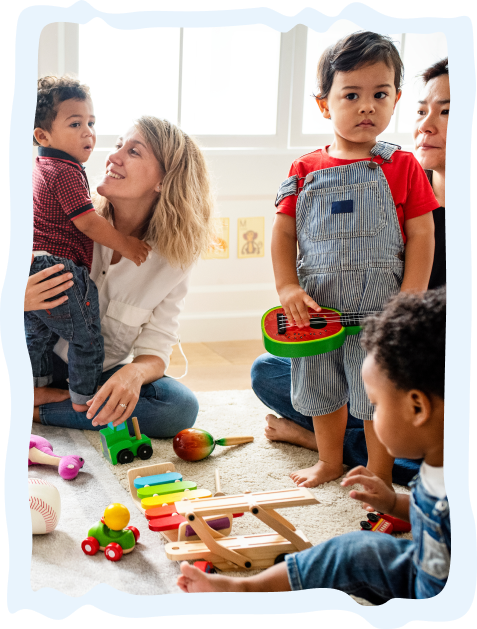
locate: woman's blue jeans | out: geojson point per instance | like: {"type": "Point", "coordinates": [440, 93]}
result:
{"type": "Point", "coordinates": [165, 407]}
{"type": "Point", "coordinates": [271, 382]}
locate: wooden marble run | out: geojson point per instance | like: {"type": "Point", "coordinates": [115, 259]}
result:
{"type": "Point", "coordinates": [198, 526]}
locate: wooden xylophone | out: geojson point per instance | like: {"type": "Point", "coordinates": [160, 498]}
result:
{"type": "Point", "coordinates": [197, 525]}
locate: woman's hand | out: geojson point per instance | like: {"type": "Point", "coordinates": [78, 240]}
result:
{"type": "Point", "coordinates": [38, 290]}
{"type": "Point", "coordinates": [124, 387]}
{"type": "Point", "coordinates": [376, 495]}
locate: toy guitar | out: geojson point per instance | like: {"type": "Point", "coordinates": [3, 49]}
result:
{"type": "Point", "coordinates": [327, 331]}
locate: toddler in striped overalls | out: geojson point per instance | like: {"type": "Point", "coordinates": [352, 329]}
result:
{"type": "Point", "coordinates": [360, 210]}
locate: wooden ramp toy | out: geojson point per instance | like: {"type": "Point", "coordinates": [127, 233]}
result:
{"type": "Point", "coordinates": [243, 551]}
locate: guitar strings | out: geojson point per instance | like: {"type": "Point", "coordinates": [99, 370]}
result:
{"type": "Point", "coordinates": [344, 318]}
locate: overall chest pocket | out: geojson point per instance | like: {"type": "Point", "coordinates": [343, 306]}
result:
{"type": "Point", "coordinates": [121, 326]}
{"type": "Point", "coordinates": [344, 212]}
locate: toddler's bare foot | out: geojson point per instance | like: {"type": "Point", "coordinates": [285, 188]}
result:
{"type": "Point", "coordinates": [80, 408]}
{"type": "Point", "coordinates": [48, 395]}
{"type": "Point", "coordinates": [281, 429]}
{"type": "Point", "coordinates": [320, 473]}
{"type": "Point", "coordinates": [194, 580]}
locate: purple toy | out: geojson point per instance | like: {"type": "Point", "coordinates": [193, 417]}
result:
{"type": "Point", "coordinates": [41, 453]}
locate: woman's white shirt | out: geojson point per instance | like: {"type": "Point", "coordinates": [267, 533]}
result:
{"type": "Point", "coordinates": [139, 306]}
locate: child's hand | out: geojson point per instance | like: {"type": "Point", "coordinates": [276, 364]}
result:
{"type": "Point", "coordinates": [295, 303]}
{"type": "Point", "coordinates": [137, 250]}
{"type": "Point", "coordinates": [377, 496]}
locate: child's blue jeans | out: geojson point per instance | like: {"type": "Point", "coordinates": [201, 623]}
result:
{"type": "Point", "coordinates": [77, 320]}
{"type": "Point", "coordinates": [377, 566]}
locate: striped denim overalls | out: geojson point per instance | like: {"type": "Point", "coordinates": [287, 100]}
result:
{"type": "Point", "coordinates": [350, 258]}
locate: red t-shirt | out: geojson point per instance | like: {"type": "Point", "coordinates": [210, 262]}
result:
{"type": "Point", "coordinates": [60, 195]}
{"type": "Point", "coordinates": [409, 185]}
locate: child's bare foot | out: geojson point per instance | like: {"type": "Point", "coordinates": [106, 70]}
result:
{"type": "Point", "coordinates": [320, 473]}
{"type": "Point", "coordinates": [281, 429]}
{"type": "Point", "coordinates": [80, 408]}
{"type": "Point", "coordinates": [194, 580]}
{"type": "Point", "coordinates": [48, 395]}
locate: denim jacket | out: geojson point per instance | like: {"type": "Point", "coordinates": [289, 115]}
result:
{"type": "Point", "coordinates": [432, 540]}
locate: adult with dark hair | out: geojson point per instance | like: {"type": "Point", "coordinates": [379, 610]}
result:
{"type": "Point", "coordinates": [430, 136]}
{"type": "Point", "coordinates": [271, 375]}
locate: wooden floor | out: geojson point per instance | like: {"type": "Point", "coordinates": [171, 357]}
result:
{"type": "Point", "coordinates": [217, 366]}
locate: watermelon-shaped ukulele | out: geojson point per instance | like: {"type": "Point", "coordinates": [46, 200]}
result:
{"type": "Point", "coordinates": [328, 330]}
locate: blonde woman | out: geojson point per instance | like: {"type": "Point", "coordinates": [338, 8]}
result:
{"type": "Point", "coordinates": [156, 187]}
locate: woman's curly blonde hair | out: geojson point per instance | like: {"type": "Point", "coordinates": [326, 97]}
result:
{"type": "Point", "coordinates": [181, 222]}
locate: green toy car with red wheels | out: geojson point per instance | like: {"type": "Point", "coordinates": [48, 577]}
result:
{"type": "Point", "coordinates": [119, 447]}
{"type": "Point", "coordinates": [111, 534]}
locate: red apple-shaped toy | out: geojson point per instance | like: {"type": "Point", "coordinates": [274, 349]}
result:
{"type": "Point", "coordinates": [194, 444]}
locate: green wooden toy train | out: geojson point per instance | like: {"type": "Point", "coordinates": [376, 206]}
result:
{"type": "Point", "coordinates": [119, 447]}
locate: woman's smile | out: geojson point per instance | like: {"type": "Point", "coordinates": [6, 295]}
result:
{"type": "Point", "coordinates": [114, 175]}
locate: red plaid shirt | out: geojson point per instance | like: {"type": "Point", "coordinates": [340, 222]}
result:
{"type": "Point", "coordinates": [60, 194]}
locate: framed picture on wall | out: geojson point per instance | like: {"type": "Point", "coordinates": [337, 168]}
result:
{"type": "Point", "coordinates": [251, 237]}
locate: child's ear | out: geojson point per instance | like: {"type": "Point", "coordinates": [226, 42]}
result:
{"type": "Point", "coordinates": [398, 96]}
{"type": "Point", "coordinates": [42, 137]}
{"type": "Point", "coordinates": [421, 406]}
{"type": "Point", "coordinates": [323, 105]}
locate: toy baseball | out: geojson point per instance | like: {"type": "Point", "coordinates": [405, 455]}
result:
{"type": "Point", "coordinates": [194, 444]}
{"type": "Point", "coordinates": [41, 453]}
{"type": "Point", "coordinates": [327, 331]}
{"type": "Point", "coordinates": [45, 506]}
{"type": "Point", "coordinates": [111, 534]}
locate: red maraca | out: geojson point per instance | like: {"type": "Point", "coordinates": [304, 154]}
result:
{"type": "Point", "coordinates": [194, 444]}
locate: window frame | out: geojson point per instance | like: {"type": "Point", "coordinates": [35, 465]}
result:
{"type": "Point", "coordinates": [290, 100]}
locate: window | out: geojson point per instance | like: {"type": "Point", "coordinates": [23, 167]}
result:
{"type": "Point", "coordinates": [210, 81]}
{"type": "Point", "coordinates": [232, 87]}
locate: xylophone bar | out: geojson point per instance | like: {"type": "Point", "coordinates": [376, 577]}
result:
{"type": "Point", "coordinates": [157, 479]}
{"type": "Point", "coordinates": [158, 501]}
{"type": "Point", "coordinates": [168, 488]}
{"type": "Point", "coordinates": [171, 523]}
{"type": "Point", "coordinates": [169, 510]}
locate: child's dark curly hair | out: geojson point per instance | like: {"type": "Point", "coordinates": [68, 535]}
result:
{"type": "Point", "coordinates": [407, 340]}
{"type": "Point", "coordinates": [52, 90]}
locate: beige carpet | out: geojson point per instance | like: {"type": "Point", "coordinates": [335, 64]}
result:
{"type": "Point", "coordinates": [258, 466]}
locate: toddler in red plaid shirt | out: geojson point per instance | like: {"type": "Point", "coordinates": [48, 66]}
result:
{"type": "Point", "coordinates": [65, 226]}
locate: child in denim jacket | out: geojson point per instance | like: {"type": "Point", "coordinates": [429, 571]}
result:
{"type": "Point", "coordinates": [404, 377]}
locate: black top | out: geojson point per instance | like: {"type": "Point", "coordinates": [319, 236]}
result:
{"type": "Point", "coordinates": [438, 273]}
